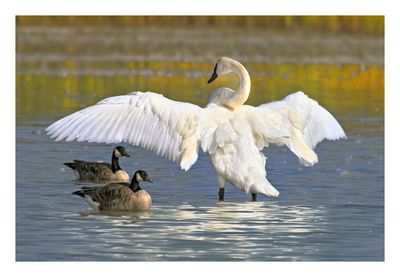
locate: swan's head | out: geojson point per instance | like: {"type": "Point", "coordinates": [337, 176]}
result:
{"type": "Point", "coordinates": [120, 151]}
{"type": "Point", "coordinates": [222, 67]}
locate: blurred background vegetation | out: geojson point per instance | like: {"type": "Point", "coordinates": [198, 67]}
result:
{"type": "Point", "coordinates": [65, 63]}
{"type": "Point", "coordinates": [370, 25]}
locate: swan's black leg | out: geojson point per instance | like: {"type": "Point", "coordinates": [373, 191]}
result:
{"type": "Point", "coordinates": [254, 197]}
{"type": "Point", "coordinates": [221, 194]}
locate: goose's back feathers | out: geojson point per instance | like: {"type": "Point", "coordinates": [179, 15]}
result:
{"type": "Point", "coordinates": [148, 120]}
{"type": "Point", "coordinates": [96, 172]}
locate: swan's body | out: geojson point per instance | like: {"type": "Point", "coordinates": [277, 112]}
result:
{"type": "Point", "coordinates": [118, 196]}
{"type": "Point", "coordinates": [232, 134]}
{"type": "Point", "coordinates": [101, 172]}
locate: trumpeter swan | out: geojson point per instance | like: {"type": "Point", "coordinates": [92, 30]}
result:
{"type": "Point", "coordinates": [101, 172]}
{"type": "Point", "coordinates": [119, 196]}
{"type": "Point", "coordinates": [232, 134]}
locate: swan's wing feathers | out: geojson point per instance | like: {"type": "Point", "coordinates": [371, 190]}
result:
{"type": "Point", "coordinates": [306, 115]}
{"type": "Point", "coordinates": [322, 125]}
{"type": "Point", "coordinates": [148, 120]}
{"type": "Point", "coordinates": [313, 120]}
{"type": "Point", "coordinates": [296, 121]}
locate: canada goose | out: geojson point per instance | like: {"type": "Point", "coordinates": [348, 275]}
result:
{"type": "Point", "coordinates": [231, 133]}
{"type": "Point", "coordinates": [119, 196]}
{"type": "Point", "coordinates": [101, 172]}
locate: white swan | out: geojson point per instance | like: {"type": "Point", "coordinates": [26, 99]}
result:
{"type": "Point", "coordinates": [232, 134]}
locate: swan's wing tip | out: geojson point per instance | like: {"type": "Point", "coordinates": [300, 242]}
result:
{"type": "Point", "coordinates": [322, 125]}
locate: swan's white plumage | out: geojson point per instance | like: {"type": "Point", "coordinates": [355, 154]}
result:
{"type": "Point", "coordinates": [232, 134]}
{"type": "Point", "coordinates": [297, 122]}
{"type": "Point", "coordinates": [148, 120]}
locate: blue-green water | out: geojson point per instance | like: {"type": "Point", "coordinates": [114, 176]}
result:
{"type": "Point", "coordinates": [332, 211]}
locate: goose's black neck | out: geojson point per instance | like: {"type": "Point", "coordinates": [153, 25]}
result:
{"type": "Point", "coordinates": [115, 163]}
{"type": "Point", "coordinates": [135, 185]}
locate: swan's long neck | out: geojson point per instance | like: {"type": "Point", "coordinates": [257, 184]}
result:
{"type": "Point", "coordinates": [242, 93]}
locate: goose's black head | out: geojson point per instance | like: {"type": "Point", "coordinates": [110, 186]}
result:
{"type": "Point", "coordinates": [141, 176]}
{"type": "Point", "coordinates": [120, 151]}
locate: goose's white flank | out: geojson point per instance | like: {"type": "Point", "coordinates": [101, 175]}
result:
{"type": "Point", "coordinates": [231, 133]}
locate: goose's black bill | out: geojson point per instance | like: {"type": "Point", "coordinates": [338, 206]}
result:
{"type": "Point", "coordinates": [122, 151]}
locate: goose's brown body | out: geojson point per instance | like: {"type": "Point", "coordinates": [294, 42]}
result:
{"type": "Point", "coordinates": [97, 172]}
{"type": "Point", "coordinates": [116, 197]}
{"type": "Point", "coordinates": [101, 172]}
{"type": "Point", "coordinates": [119, 196]}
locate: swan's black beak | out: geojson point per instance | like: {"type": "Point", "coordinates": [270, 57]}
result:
{"type": "Point", "coordinates": [214, 75]}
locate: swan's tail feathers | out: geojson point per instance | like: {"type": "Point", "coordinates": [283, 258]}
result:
{"type": "Point", "coordinates": [313, 120]}
{"type": "Point", "coordinates": [269, 190]}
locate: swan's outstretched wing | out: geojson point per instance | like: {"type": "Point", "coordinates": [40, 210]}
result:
{"type": "Point", "coordinates": [148, 120]}
{"type": "Point", "coordinates": [297, 122]}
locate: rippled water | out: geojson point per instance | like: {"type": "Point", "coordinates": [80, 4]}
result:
{"type": "Point", "coordinates": [333, 211]}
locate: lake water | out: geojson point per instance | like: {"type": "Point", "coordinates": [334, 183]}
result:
{"type": "Point", "coordinates": [333, 211]}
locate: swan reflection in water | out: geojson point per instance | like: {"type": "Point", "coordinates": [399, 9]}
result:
{"type": "Point", "coordinates": [244, 217]}
{"type": "Point", "coordinates": [227, 230]}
